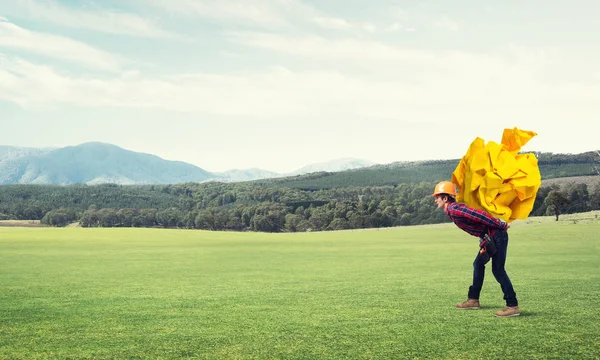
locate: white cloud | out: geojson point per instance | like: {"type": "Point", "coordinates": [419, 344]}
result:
{"type": "Point", "coordinates": [332, 23]}
{"type": "Point", "coordinates": [412, 65]}
{"type": "Point", "coordinates": [350, 49]}
{"type": "Point", "coordinates": [368, 27]}
{"type": "Point", "coordinates": [258, 13]}
{"type": "Point", "coordinates": [59, 47]}
{"type": "Point", "coordinates": [38, 87]}
{"type": "Point", "coordinates": [477, 94]}
{"type": "Point", "coordinates": [96, 19]}
{"type": "Point", "coordinates": [376, 28]}
{"type": "Point", "coordinates": [447, 24]}
{"type": "Point", "coordinates": [423, 17]}
{"type": "Point", "coordinates": [463, 88]}
{"type": "Point", "coordinates": [267, 14]}
{"type": "Point", "coordinates": [394, 27]}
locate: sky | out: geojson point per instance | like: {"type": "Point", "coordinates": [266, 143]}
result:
{"type": "Point", "coordinates": [279, 84]}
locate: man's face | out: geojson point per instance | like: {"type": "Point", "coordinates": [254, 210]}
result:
{"type": "Point", "coordinates": [439, 201]}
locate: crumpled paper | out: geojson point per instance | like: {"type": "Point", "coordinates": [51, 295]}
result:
{"type": "Point", "coordinates": [497, 179]}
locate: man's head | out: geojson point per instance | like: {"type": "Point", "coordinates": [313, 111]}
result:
{"type": "Point", "coordinates": [444, 193]}
{"type": "Point", "coordinates": [442, 200]}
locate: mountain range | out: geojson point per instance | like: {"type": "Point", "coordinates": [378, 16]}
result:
{"type": "Point", "coordinates": [97, 163]}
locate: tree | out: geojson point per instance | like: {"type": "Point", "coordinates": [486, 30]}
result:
{"type": "Point", "coordinates": [300, 211]}
{"type": "Point", "coordinates": [595, 198]}
{"type": "Point", "coordinates": [264, 223]}
{"type": "Point", "coordinates": [169, 218]}
{"type": "Point", "coordinates": [125, 217]}
{"type": "Point", "coordinates": [388, 215]}
{"type": "Point", "coordinates": [205, 220]}
{"type": "Point", "coordinates": [89, 218]}
{"type": "Point", "coordinates": [291, 222]}
{"type": "Point", "coordinates": [578, 198]}
{"type": "Point", "coordinates": [356, 220]}
{"type": "Point", "coordinates": [247, 215]}
{"type": "Point", "coordinates": [374, 220]}
{"type": "Point", "coordinates": [59, 217]}
{"type": "Point", "coordinates": [303, 226]}
{"type": "Point", "coordinates": [320, 218]}
{"type": "Point", "coordinates": [147, 218]}
{"type": "Point", "coordinates": [341, 210]}
{"type": "Point", "coordinates": [235, 223]}
{"type": "Point", "coordinates": [555, 202]}
{"type": "Point", "coordinates": [108, 217]}
{"type": "Point", "coordinates": [189, 219]}
{"type": "Point", "coordinates": [404, 220]}
{"type": "Point", "coordinates": [32, 212]}
{"type": "Point", "coordinates": [539, 206]}
{"type": "Point", "coordinates": [372, 206]}
{"type": "Point", "coordinates": [338, 224]}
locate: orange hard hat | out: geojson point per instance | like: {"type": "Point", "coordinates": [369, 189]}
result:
{"type": "Point", "coordinates": [445, 187]}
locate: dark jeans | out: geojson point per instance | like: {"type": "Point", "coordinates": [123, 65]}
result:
{"type": "Point", "coordinates": [498, 261]}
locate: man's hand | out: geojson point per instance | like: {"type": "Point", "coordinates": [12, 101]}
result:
{"type": "Point", "coordinates": [488, 245]}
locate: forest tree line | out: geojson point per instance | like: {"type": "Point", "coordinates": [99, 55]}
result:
{"type": "Point", "coordinates": [252, 207]}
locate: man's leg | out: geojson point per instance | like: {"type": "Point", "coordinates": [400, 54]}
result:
{"type": "Point", "coordinates": [498, 262]}
{"type": "Point", "coordinates": [478, 275]}
{"type": "Point", "coordinates": [475, 289]}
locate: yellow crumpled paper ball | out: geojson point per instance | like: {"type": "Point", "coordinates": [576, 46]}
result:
{"type": "Point", "coordinates": [497, 179]}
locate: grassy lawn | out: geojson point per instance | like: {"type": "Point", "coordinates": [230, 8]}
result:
{"type": "Point", "coordinates": [76, 293]}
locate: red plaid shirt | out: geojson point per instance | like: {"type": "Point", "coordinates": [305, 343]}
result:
{"type": "Point", "coordinates": [475, 222]}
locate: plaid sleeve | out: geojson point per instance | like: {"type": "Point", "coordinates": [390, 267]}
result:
{"type": "Point", "coordinates": [482, 217]}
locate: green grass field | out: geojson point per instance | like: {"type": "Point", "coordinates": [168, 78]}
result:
{"type": "Point", "coordinates": [75, 293]}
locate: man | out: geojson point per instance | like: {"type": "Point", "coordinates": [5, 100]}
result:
{"type": "Point", "coordinates": [479, 223]}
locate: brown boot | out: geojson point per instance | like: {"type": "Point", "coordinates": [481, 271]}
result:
{"type": "Point", "coordinates": [508, 311]}
{"type": "Point", "coordinates": [469, 304]}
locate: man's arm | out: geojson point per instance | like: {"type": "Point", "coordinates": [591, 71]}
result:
{"type": "Point", "coordinates": [484, 218]}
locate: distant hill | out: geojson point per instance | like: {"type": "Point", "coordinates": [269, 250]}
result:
{"type": "Point", "coordinates": [376, 175]}
{"type": "Point", "coordinates": [95, 163]}
{"type": "Point", "coordinates": [245, 175]}
{"type": "Point", "coordinates": [551, 166]}
{"type": "Point", "coordinates": [334, 166]}
{"type": "Point", "coordinates": [98, 163]}
{"type": "Point", "coordinates": [13, 152]}
{"type": "Point", "coordinates": [591, 181]}
{"type": "Point", "coordinates": [258, 174]}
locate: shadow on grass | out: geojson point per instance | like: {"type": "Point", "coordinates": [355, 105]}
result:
{"type": "Point", "coordinates": [499, 307]}
{"type": "Point", "coordinates": [528, 313]}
